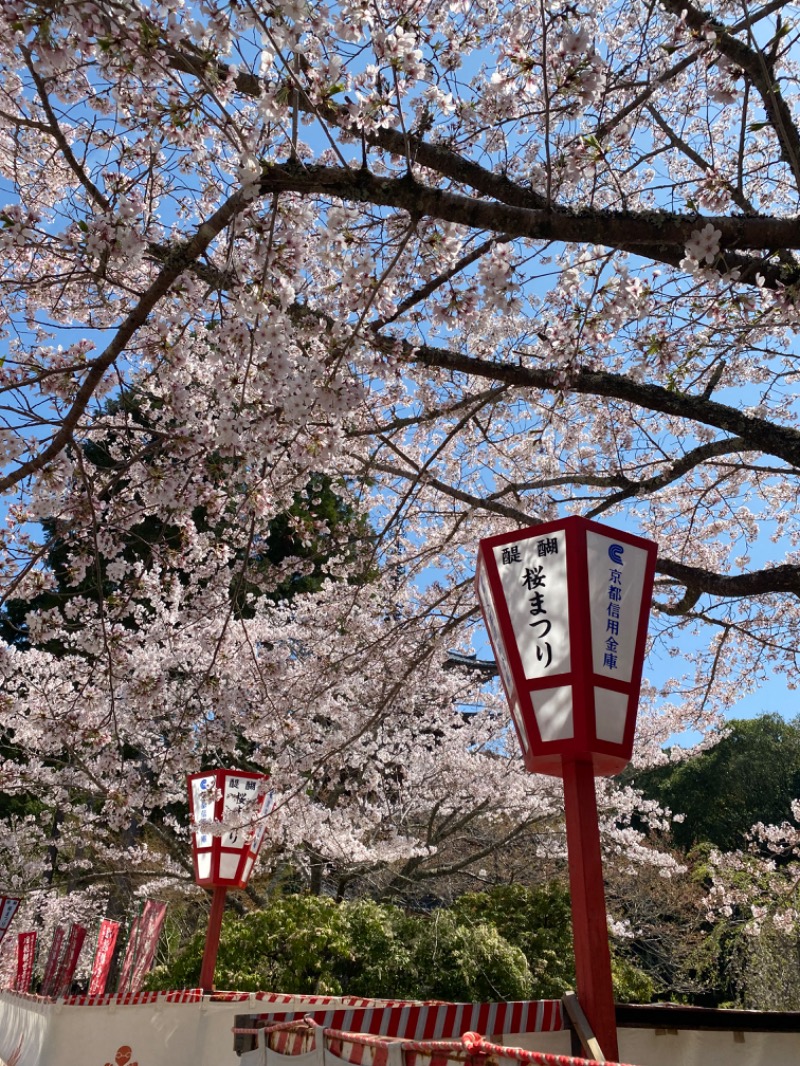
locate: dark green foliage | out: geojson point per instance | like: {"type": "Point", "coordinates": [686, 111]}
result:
{"type": "Point", "coordinates": [473, 963]}
{"type": "Point", "coordinates": [298, 534]}
{"type": "Point", "coordinates": [536, 920]}
{"type": "Point", "coordinates": [750, 776]}
{"type": "Point", "coordinates": [310, 944]}
{"type": "Point", "coordinates": [474, 951]}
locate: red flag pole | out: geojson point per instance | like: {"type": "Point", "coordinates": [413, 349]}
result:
{"type": "Point", "coordinates": [589, 926]}
{"type": "Point", "coordinates": [212, 939]}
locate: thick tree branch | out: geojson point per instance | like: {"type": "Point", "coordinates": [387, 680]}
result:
{"type": "Point", "coordinates": [613, 229]}
{"type": "Point", "coordinates": [660, 236]}
{"type": "Point", "coordinates": [757, 434]}
{"type": "Point", "coordinates": [775, 579]}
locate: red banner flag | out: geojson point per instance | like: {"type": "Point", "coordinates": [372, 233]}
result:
{"type": "Point", "coordinates": [69, 960]}
{"type": "Point", "coordinates": [8, 908]}
{"type": "Point", "coordinates": [142, 944]}
{"type": "Point", "coordinates": [26, 956]}
{"type": "Point", "coordinates": [62, 960]}
{"type": "Point", "coordinates": [53, 962]}
{"type": "Point", "coordinates": [104, 953]}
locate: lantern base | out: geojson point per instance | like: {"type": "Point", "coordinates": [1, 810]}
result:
{"type": "Point", "coordinates": [603, 764]}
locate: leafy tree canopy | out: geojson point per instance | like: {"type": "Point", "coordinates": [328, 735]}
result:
{"type": "Point", "coordinates": [505, 944]}
{"type": "Point", "coordinates": [314, 945]}
{"type": "Point", "coordinates": [751, 775]}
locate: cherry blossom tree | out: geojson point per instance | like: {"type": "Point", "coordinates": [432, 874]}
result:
{"type": "Point", "coordinates": [479, 264]}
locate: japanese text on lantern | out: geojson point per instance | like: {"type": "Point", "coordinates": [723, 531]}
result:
{"type": "Point", "coordinates": [241, 796]}
{"type": "Point", "coordinates": [535, 580]}
{"type": "Point", "coordinates": [534, 577]}
{"type": "Point", "coordinates": [612, 615]}
{"type": "Point", "coordinates": [616, 578]}
{"type": "Point", "coordinates": [204, 789]}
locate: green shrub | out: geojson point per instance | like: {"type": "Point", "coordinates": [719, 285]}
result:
{"type": "Point", "coordinates": [309, 944]}
{"type": "Point", "coordinates": [509, 943]}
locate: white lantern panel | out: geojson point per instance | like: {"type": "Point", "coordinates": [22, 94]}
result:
{"type": "Point", "coordinates": [553, 710]}
{"type": "Point", "coordinates": [204, 791]}
{"type": "Point", "coordinates": [239, 811]}
{"type": "Point", "coordinates": [616, 583]}
{"type": "Point", "coordinates": [248, 866]}
{"type": "Point", "coordinates": [228, 864]}
{"type": "Point", "coordinates": [521, 730]}
{"type": "Point", "coordinates": [485, 596]}
{"type": "Point", "coordinates": [203, 865]}
{"type": "Point", "coordinates": [534, 577]}
{"type": "Point", "coordinates": [610, 711]}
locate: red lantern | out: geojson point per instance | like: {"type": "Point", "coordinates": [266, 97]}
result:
{"type": "Point", "coordinates": [567, 605]}
{"type": "Point", "coordinates": [229, 808]}
{"type": "Point", "coordinates": [238, 802]}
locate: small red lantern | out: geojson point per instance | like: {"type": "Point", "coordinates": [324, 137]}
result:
{"type": "Point", "coordinates": [238, 802]}
{"type": "Point", "coordinates": [567, 604]}
{"type": "Point", "coordinates": [229, 809]}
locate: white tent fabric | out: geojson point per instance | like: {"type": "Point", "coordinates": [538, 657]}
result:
{"type": "Point", "coordinates": [693, 1047]}
{"type": "Point", "coordinates": [148, 1034]}
{"type": "Point", "coordinates": [156, 1031]}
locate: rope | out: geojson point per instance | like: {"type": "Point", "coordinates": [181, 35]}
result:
{"type": "Point", "coordinates": [474, 1041]}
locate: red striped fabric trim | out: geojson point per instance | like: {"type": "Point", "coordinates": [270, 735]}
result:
{"type": "Point", "coordinates": [185, 995]}
{"type": "Point", "coordinates": [472, 1050]}
{"type": "Point", "coordinates": [440, 1021]}
{"type": "Point", "coordinates": [358, 1049]}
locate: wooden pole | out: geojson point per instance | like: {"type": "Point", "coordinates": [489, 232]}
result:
{"type": "Point", "coordinates": [589, 927]}
{"type": "Point", "coordinates": [212, 939]}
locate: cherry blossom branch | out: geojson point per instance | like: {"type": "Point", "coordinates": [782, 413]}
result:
{"type": "Point", "coordinates": [759, 69]}
{"type": "Point", "coordinates": [655, 243]}
{"type": "Point", "coordinates": [757, 434]}
{"type": "Point", "coordinates": [424, 291]}
{"type": "Point", "coordinates": [54, 129]}
{"type": "Point", "coordinates": [180, 259]}
{"type": "Point", "coordinates": [698, 581]}
{"type": "Point", "coordinates": [674, 472]}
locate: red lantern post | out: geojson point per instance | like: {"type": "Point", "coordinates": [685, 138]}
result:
{"type": "Point", "coordinates": [229, 808]}
{"type": "Point", "coordinates": [567, 604]}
